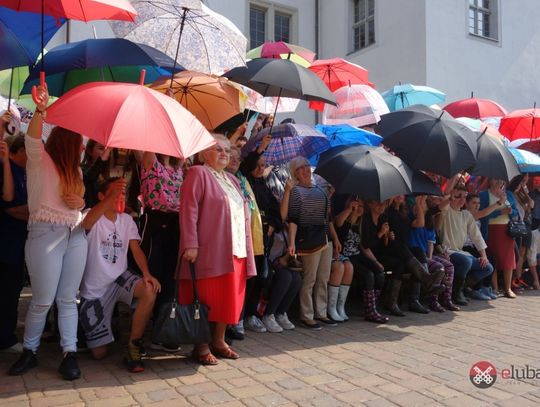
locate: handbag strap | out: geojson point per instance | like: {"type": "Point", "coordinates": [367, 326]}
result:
{"type": "Point", "coordinates": [177, 280]}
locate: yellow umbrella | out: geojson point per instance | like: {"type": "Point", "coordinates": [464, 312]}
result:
{"type": "Point", "coordinates": [211, 99]}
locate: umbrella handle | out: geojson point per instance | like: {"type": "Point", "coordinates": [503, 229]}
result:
{"type": "Point", "coordinates": [34, 89]}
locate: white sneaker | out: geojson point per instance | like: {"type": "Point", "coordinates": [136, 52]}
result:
{"type": "Point", "coordinates": [253, 323]}
{"type": "Point", "coordinates": [271, 325]}
{"type": "Point", "coordinates": [283, 321]}
{"type": "Point", "coordinates": [17, 348]}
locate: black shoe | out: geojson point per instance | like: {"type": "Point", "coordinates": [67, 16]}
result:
{"type": "Point", "coordinates": [396, 311]}
{"type": "Point", "coordinates": [133, 357]}
{"type": "Point", "coordinates": [311, 325]}
{"type": "Point", "coordinates": [26, 361]}
{"type": "Point", "coordinates": [416, 306]}
{"type": "Point", "coordinates": [69, 369]}
{"type": "Point", "coordinates": [232, 333]}
{"type": "Point", "coordinates": [327, 321]}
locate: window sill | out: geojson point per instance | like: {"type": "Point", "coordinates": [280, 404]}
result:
{"type": "Point", "coordinates": [361, 50]}
{"type": "Point", "coordinates": [481, 37]}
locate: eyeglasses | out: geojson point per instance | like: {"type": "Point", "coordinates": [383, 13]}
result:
{"type": "Point", "coordinates": [220, 149]}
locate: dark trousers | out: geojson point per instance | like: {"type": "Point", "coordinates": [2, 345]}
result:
{"type": "Point", "coordinates": [285, 286]}
{"type": "Point", "coordinates": [254, 288]}
{"type": "Point", "coordinates": [368, 271]}
{"type": "Point", "coordinates": [11, 284]}
{"type": "Point", "coordinates": [160, 234]}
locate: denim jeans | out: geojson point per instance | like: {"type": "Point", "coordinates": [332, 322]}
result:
{"type": "Point", "coordinates": [55, 257]}
{"type": "Point", "coordinates": [466, 265]}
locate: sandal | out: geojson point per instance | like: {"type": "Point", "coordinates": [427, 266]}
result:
{"type": "Point", "coordinates": [225, 353]}
{"type": "Point", "coordinates": [205, 360]}
{"type": "Point", "coordinates": [509, 294]}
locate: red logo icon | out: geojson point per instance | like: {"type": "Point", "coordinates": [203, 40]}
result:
{"type": "Point", "coordinates": [483, 374]}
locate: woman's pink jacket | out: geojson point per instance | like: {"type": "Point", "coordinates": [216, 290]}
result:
{"type": "Point", "coordinates": [205, 224]}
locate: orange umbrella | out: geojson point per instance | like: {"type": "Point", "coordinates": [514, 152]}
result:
{"type": "Point", "coordinates": [211, 99]}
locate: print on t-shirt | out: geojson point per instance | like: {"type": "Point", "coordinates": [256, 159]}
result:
{"type": "Point", "coordinates": [111, 247]}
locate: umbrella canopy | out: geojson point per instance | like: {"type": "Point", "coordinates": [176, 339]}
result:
{"type": "Point", "coordinates": [479, 126]}
{"type": "Point", "coordinates": [92, 60]}
{"type": "Point", "coordinates": [283, 78]}
{"type": "Point", "coordinates": [212, 99]}
{"type": "Point", "coordinates": [382, 174]}
{"type": "Point", "coordinates": [345, 135]}
{"type": "Point", "coordinates": [82, 10]}
{"type": "Point", "coordinates": [357, 105]}
{"type": "Point", "coordinates": [493, 159]}
{"type": "Point", "coordinates": [526, 161]}
{"type": "Point", "coordinates": [280, 49]}
{"type": "Point", "coordinates": [423, 185]}
{"type": "Point", "coordinates": [195, 36]}
{"type": "Point", "coordinates": [130, 116]}
{"type": "Point", "coordinates": [475, 108]}
{"type": "Point", "coordinates": [401, 96]}
{"type": "Point", "coordinates": [289, 141]}
{"type": "Point", "coordinates": [336, 73]}
{"type": "Point", "coordinates": [430, 140]}
{"type": "Point", "coordinates": [521, 124]}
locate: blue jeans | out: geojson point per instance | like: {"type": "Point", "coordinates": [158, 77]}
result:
{"type": "Point", "coordinates": [55, 257]}
{"type": "Point", "coordinates": [466, 265]}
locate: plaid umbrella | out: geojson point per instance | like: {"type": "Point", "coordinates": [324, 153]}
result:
{"type": "Point", "coordinates": [289, 141]}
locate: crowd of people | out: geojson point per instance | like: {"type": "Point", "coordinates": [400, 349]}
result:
{"type": "Point", "coordinates": [123, 226]}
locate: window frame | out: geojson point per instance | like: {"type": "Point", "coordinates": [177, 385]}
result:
{"type": "Point", "coordinates": [480, 13]}
{"type": "Point", "coordinates": [271, 10]}
{"type": "Point", "coordinates": [363, 24]}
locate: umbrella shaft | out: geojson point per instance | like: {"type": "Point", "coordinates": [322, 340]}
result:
{"type": "Point", "coordinates": [182, 22]}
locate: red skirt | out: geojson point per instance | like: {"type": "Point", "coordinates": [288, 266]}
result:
{"type": "Point", "coordinates": [501, 247]}
{"type": "Point", "coordinates": [224, 295]}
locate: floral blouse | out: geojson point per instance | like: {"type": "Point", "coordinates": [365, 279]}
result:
{"type": "Point", "coordinates": [160, 187]}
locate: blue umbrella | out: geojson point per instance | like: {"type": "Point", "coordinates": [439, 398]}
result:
{"type": "Point", "coordinates": [289, 141]}
{"type": "Point", "coordinates": [526, 161]}
{"type": "Point", "coordinates": [401, 96]}
{"type": "Point", "coordinates": [345, 135]}
{"type": "Point", "coordinates": [106, 59]}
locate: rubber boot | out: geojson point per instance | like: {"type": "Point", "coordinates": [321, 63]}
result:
{"type": "Point", "coordinates": [393, 300]}
{"type": "Point", "coordinates": [342, 298]}
{"type": "Point", "coordinates": [430, 282]}
{"type": "Point", "coordinates": [333, 292]}
{"type": "Point", "coordinates": [414, 300]}
{"type": "Point", "coordinates": [457, 292]}
{"type": "Point", "coordinates": [370, 308]}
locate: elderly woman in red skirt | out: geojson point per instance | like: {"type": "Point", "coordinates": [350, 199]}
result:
{"type": "Point", "coordinates": [216, 236]}
{"type": "Point", "coordinates": [494, 230]}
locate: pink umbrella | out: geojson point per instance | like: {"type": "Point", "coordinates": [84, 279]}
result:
{"type": "Point", "coordinates": [130, 116]}
{"type": "Point", "coordinates": [357, 105]}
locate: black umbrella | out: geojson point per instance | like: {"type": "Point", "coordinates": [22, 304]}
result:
{"type": "Point", "coordinates": [282, 78]}
{"type": "Point", "coordinates": [423, 185]}
{"type": "Point", "coordinates": [370, 172]}
{"type": "Point", "coordinates": [428, 139]}
{"type": "Point", "coordinates": [493, 159]}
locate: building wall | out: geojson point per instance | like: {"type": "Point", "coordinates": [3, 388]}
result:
{"type": "Point", "coordinates": [506, 71]}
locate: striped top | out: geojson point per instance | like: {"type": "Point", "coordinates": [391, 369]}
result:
{"type": "Point", "coordinates": [308, 206]}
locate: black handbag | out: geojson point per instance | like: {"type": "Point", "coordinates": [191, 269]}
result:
{"type": "Point", "coordinates": [183, 324]}
{"type": "Point", "coordinates": [266, 271]}
{"type": "Point", "coordinates": [517, 228]}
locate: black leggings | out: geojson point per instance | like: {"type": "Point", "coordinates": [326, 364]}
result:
{"type": "Point", "coordinates": [394, 258]}
{"type": "Point", "coordinates": [368, 271]}
{"type": "Point", "coordinates": [285, 285]}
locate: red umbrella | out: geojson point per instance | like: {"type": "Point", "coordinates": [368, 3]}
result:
{"type": "Point", "coordinates": [336, 73]}
{"type": "Point", "coordinates": [130, 116]}
{"type": "Point", "coordinates": [475, 108]}
{"type": "Point", "coordinates": [521, 124]}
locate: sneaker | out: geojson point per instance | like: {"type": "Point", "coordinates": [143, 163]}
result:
{"type": "Point", "coordinates": [479, 295]}
{"type": "Point", "coordinates": [26, 361]}
{"type": "Point", "coordinates": [489, 292]}
{"type": "Point", "coordinates": [133, 357]}
{"type": "Point", "coordinates": [327, 321]}
{"type": "Point", "coordinates": [253, 323]}
{"type": "Point", "coordinates": [311, 325]}
{"type": "Point", "coordinates": [271, 325]}
{"type": "Point", "coordinates": [164, 347]}
{"type": "Point", "coordinates": [16, 348]}
{"type": "Point", "coordinates": [69, 369]}
{"type": "Point", "coordinates": [283, 321]}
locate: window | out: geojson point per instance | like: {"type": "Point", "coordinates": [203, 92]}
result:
{"type": "Point", "coordinates": [268, 22]}
{"type": "Point", "coordinates": [483, 18]}
{"type": "Point", "coordinates": [363, 24]}
{"type": "Point", "coordinates": [257, 26]}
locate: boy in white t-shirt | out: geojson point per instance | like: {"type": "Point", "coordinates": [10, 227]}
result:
{"type": "Point", "coordinates": [107, 280]}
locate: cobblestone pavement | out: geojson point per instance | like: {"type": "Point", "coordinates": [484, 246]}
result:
{"type": "Point", "coordinates": [415, 360]}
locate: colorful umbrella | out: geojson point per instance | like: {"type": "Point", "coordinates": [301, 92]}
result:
{"type": "Point", "coordinates": [212, 99]}
{"type": "Point", "coordinates": [194, 35]}
{"type": "Point", "coordinates": [93, 60]}
{"type": "Point", "coordinates": [521, 124]}
{"type": "Point", "coordinates": [429, 140]}
{"type": "Point", "coordinates": [401, 96]}
{"type": "Point", "coordinates": [282, 50]}
{"type": "Point", "coordinates": [357, 105]}
{"type": "Point", "coordinates": [526, 160]}
{"type": "Point", "coordinates": [289, 141]}
{"type": "Point", "coordinates": [475, 108]}
{"type": "Point", "coordinates": [130, 116]}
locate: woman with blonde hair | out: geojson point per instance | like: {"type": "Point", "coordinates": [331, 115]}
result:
{"type": "Point", "coordinates": [56, 247]}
